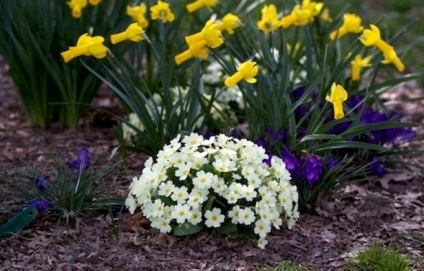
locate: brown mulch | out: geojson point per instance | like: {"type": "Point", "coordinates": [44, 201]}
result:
{"type": "Point", "coordinates": [389, 210]}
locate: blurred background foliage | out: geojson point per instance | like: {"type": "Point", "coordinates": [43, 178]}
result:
{"type": "Point", "coordinates": [392, 15]}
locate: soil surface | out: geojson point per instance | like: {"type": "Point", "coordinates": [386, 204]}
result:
{"type": "Point", "coordinates": [387, 210]}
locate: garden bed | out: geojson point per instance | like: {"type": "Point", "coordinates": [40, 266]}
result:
{"type": "Point", "coordinates": [387, 210]}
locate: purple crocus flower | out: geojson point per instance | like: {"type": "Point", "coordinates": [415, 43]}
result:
{"type": "Point", "coordinates": [332, 162]}
{"type": "Point", "coordinates": [340, 127]}
{"type": "Point", "coordinates": [268, 160]}
{"type": "Point", "coordinates": [83, 161]}
{"type": "Point", "coordinates": [404, 135]}
{"type": "Point", "coordinates": [279, 136]}
{"type": "Point", "coordinates": [377, 166]}
{"type": "Point", "coordinates": [301, 111]}
{"type": "Point", "coordinates": [236, 133]}
{"type": "Point", "coordinates": [354, 101]}
{"type": "Point", "coordinates": [298, 93]}
{"type": "Point", "coordinates": [41, 181]}
{"type": "Point", "coordinates": [207, 134]}
{"type": "Point", "coordinates": [40, 204]}
{"type": "Point", "coordinates": [292, 164]}
{"type": "Point", "coordinates": [261, 142]}
{"type": "Point", "coordinates": [312, 169]}
{"type": "Point", "coordinates": [301, 133]}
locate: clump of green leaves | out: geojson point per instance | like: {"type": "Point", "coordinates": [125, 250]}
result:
{"type": "Point", "coordinates": [33, 34]}
{"type": "Point", "coordinates": [76, 189]}
{"type": "Point", "coordinates": [379, 258]}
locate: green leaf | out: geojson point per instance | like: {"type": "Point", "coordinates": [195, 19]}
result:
{"type": "Point", "coordinates": [347, 145]}
{"type": "Point", "coordinates": [208, 205]}
{"type": "Point", "coordinates": [166, 200]}
{"type": "Point", "coordinates": [362, 129]}
{"type": "Point", "coordinates": [228, 228]}
{"type": "Point", "coordinates": [208, 168]}
{"type": "Point", "coordinates": [320, 137]}
{"type": "Point", "coordinates": [187, 229]}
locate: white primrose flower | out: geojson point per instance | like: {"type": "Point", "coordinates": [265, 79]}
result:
{"type": "Point", "coordinates": [197, 160]}
{"type": "Point", "coordinates": [277, 222]}
{"type": "Point", "coordinates": [202, 193]}
{"type": "Point", "coordinates": [234, 214]}
{"type": "Point", "coordinates": [224, 165]}
{"type": "Point", "coordinates": [248, 172]}
{"type": "Point", "coordinates": [183, 170]}
{"type": "Point", "coordinates": [196, 216]}
{"type": "Point", "coordinates": [269, 199]}
{"type": "Point", "coordinates": [246, 216]}
{"type": "Point", "coordinates": [167, 212]}
{"type": "Point", "coordinates": [162, 224]}
{"type": "Point", "coordinates": [169, 150]}
{"type": "Point", "coordinates": [131, 204]}
{"type": "Point", "coordinates": [262, 228]}
{"type": "Point", "coordinates": [194, 200]}
{"type": "Point", "coordinates": [165, 189]}
{"type": "Point", "coordinates": [182, 173]}
{"type": "Point", "coordinates": [178, 159]}
{"type": "Point", "coordinates": [204, 180]}
{"type": "Point", "coordinates": [262, 242]}
{"type": "Point", "coordinates": [214, 218]}
{"type": "Point", "coordinates": [181, 213]}
{"type": "Point", "coordinates": [192, 141]}
{"type": "Point", "coordinates": [157, 208]}
{"type": "Point", "coordinates": [273, 186]}
{"type": "Point", "coordinates": [286, 200]}
{"type": "Point", "coordinates": [180, 194]}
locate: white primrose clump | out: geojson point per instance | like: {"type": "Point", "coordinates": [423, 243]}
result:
{"type": "Point", "coordinates": [212, 182]}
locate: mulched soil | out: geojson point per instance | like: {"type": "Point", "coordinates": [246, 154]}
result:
{"type": "Point", "coordinates": [389, 210]}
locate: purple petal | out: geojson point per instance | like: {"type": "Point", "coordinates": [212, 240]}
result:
{"type": "Point", "coordinates": [41, 205]}
{"type": "Point", "coordinates": [83, 161]}
{"type": "Point", "coordinates": [41, 181]}
{"type": "Point", "coordinates": [377, 166]}
{"type": "Point", "coordinates": [312, 169]}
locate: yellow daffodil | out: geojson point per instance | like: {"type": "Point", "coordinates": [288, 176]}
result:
{"type": "Point", "coordinates": [325, 15]}
{"type": "Point", "coordinates": [269, 20]}
{"type": "Point", "coordinates": [314, 7]}
{"type": "Point", "coordinates": [372, 37]}
{"type": "Point", "coordinates": [337, 96]}
{"type": "Point", "coordinates": [161, 11]}
{"type": "Point", "coordinates": [302, 15]}
{"type": "Point", "coordinates": [94, 2]}
{"type": "Point", "coordinates": [76, 6]}
{"type": "Point", "coordinates": [86, 45]}
{"type": "Point", "coordinates": [298, 16]}
{"type": "Point", "coordinates": [137, 13]}
{"type": "Point", "coordinates": [357, 64]}
{"type": "Point", "coordinates": [134, 32]}
{"type": "Point", "coordinates": [193, 51]}
{"type": "Point", "coordinates": [210, 36]}
{"type": "Point", "coordinates": [390, 56]}
{"type": "Point", "coordinates": [198, 4]}
{"type": "Point", "coordinates": [246, 70]}
{"type": "Point", "coordinates": [228, 23]}
{"type": "Point", "coordinates": [351, 24]}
